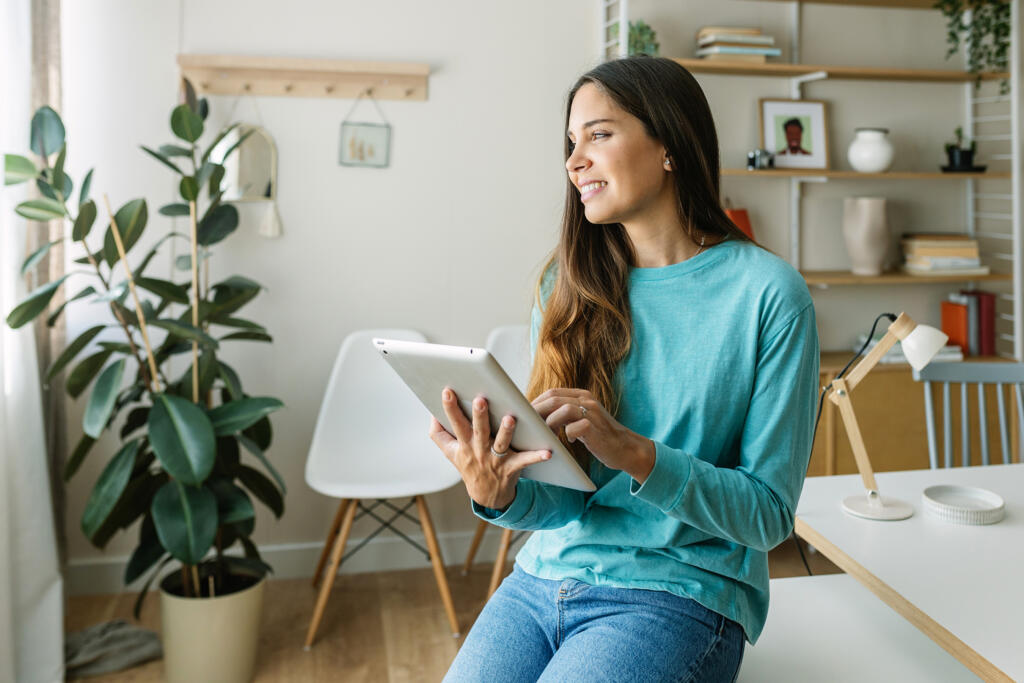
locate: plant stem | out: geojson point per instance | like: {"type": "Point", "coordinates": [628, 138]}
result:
{"type": "Point", "coordinates": [120, 318]}
{"type": "Point", "coordinates": [195, 299]}
{"type": "Point", "coordinates": [186, 585]}
{"type": "Point", "coordinates": [135, 296]}
{"type": "Point", "coordinates": [195, 579]}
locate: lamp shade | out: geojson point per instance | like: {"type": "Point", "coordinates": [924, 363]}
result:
{"type": "Point", "coordinates": [921, 345]}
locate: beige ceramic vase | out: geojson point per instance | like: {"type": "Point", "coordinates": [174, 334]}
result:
{"type": "Point", "coordinates": [866, 232]}
{"type": "Point", "coordinates": [211, 639]}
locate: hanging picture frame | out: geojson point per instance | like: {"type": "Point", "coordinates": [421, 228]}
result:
{"type": "Point", "coordinates": [363, 143]}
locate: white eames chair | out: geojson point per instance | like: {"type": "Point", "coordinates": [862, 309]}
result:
{"type": "Point", "coordinates": [370, 444]}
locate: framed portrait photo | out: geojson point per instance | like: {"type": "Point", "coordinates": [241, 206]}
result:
{"type": "Point", "coordinates": [796, 132]}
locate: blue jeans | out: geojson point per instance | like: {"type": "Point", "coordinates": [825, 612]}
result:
{"type": "Point", "coordinates": [568, 631]}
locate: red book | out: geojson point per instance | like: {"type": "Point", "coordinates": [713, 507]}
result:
{"type": "Point", "coordinates": [954, 324]}
{"type": "Point", "coordinates": [986, 320]}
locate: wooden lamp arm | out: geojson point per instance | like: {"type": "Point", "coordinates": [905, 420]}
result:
{"type": "Point", "coordinates": [841, 397]}
{"type": "Point", "coordinates": [899, 329]}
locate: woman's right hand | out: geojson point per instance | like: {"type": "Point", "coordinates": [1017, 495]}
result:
{"type": "Point", "coordinates": [490, 479]}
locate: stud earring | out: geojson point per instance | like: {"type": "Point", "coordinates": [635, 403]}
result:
{"type": "Point", "coordinates": [668, 164]}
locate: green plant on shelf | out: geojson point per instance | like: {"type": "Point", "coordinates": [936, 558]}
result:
{"type": "Point", "coordinates": [642, 38]}
{"type": "Point", "coordinates": [984, 28]}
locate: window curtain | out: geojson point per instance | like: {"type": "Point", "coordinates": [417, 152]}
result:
{"type": "Point", "coordinates": [31, 589]}
{"type": "Point", "coordinates": [50, 341]}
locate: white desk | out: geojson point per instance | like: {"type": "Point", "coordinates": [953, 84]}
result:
{"type": "Point", "coordinates": [963, 586]}
{"type": "Point", "coordinates": [828, 628]}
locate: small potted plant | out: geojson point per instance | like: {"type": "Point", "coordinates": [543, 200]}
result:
{"type": "Point", "coordinates": [960, 154]}
{"type": "Point", "coordinates": [192, 453]}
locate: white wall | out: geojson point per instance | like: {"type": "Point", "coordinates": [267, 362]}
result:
{"type": "Point", "coordinates": [450, 238]}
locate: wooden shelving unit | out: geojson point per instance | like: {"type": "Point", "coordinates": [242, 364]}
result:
{"type": "Point", "coordinates": [292, 77]}
{"type": "Point", "coordinates": [827, 278]}
{"type": "Point", "coordinates": [785, 70]}
{"type": "Point", "coordinates": [889, 175]}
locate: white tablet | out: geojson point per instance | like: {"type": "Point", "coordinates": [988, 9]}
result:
{"type": "Point", "coordinates": [471, 372]}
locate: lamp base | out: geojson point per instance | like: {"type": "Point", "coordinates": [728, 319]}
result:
{"type": "Point", "coordinates": [871, 505]}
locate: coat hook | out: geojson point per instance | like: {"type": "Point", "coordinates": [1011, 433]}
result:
{"type": "Point", "coordinates": [288, 87]}
{"type": "Point", "coordinates": [246, 87]}
{"type": "Point", "coordinates": [409, 92]}
{"type": "Point", "coordinates": [203, 85]}
{"type": "Point", "coordinates": [329, 88]}
{"type": "Point", "coordinates": [369, 92]}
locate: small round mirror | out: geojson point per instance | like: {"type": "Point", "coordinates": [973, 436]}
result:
{"type": "Point", "coordinates": [249, 157]}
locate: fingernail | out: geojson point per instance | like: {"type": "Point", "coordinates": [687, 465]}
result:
{"type": "Point", "coordinates": [507, 422]}
{"type": "Point", "coordinates": [447, 394]}
{"type": "Point", "coordinates": [478, 404]}
{"type": "Point", "coordinates": [547, 455]}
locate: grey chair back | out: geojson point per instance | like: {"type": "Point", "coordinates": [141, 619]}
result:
{"type": "Point", "coordinates": [1004, 376]}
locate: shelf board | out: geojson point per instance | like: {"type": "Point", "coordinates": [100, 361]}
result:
{"type": "Point", "coordinates": [288, 76]}
{"type": "Point", "coordinates": [895, 4]}
{"type": "Point", "coordinates": [786, 70]}
{"type": "Point", "coordinates": [831, 362]}
{"type": "Point", "coordinates": [890, 175]}
{"type": "Point", "coordinates": [826, 278]}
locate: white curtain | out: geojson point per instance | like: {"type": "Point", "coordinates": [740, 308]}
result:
{"type": "Point", "coordinates": [31, 588]}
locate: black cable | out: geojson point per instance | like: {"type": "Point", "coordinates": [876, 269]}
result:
{"type": "Point", "coordinates": [800, 550]}
{"type": "Point", "coordinates": [821, 404]}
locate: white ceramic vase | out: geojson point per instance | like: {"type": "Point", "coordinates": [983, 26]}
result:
{"type": "Point", "coordinates": [211, 639]}
{"type": "Point", "coordinates": [866, 232]}
{"type": "Point", "coordinates": [870, 151]}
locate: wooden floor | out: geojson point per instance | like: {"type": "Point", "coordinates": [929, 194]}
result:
{"type": "Point", "coordinates": [386, 627]}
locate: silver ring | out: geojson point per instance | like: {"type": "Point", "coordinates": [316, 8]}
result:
{"type": "Point", "coordinates": [496, 454]}
{"type": "Point", "coordinates": [583, 411]}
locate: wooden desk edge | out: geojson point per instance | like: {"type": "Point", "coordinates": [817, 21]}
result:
{"type": "Point", "coordinates": [950, 643]}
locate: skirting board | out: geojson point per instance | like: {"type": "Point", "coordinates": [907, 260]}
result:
{"type": "Point", "coordinates": [298, 560]}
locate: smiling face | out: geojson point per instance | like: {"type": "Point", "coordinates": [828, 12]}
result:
{"type": "Point", "coordinates": [794, 137]}
{"type": "Point", "coordinates": [618, 168]}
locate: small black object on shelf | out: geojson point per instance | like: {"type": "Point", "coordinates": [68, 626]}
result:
{"type": "Point", "coordinates": [965, 169]}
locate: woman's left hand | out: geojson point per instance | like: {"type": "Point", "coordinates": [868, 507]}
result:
{"type": "Point", "coordinates": [584, 418]}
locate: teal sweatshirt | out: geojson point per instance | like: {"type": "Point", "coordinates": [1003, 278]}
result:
{"type": "Point", "coordinates": [722, 375]}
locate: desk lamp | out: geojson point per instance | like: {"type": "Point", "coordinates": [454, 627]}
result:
{"type": "Point", "coordinates": [920, 344]}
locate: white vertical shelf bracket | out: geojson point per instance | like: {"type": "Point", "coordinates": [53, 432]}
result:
{"type": "Point", "coordinates": [795, 194]}
{"type": "Point", "coordinates": [795, 184]}
{"type": "Point", "coordinates": [796, 83]}
{"type": "Point", "coordinates": [617, 46]}
{"type": "Point", "coordinates": [1015, 166]}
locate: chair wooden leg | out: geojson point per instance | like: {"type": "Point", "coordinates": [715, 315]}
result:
{"type": "Point", "coordinates": [335, 525]}
{"type": "Point", "coordinates": [499, 562]}
{"type": "Point", "coordinates": [325, 590]}
{"type": "Point", "coordinates": [435, 559]}
{"type": "Point", "coordinates": [477, 537]}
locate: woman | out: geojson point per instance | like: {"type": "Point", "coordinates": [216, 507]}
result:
{"type": "Point", "coordinates": [681, 361]}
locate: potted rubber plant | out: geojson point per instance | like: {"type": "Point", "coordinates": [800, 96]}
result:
{"type": "Point", "coordinates": [192, 443]}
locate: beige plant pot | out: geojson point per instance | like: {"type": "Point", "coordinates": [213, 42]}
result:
{"type": "Point", "coordinates": [211, 639]}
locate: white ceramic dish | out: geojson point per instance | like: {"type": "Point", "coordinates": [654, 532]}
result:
{"type": "Point", "coordinates": [963, 504]}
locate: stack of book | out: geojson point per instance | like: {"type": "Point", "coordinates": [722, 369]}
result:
{"type": "Point", "coordinates": [969, 318]}
{"type": "Point", "coordinates": [735, 44]}
{"type": "Point", "coordinates": [941, 254]}
{"type": "Point", "coordinates": [948, 353]}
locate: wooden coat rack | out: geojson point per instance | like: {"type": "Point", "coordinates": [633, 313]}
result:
{"type": "Point", "coordinates": [294, 77]}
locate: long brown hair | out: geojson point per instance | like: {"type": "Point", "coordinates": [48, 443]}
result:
{"type": "Point", "coordinates": [587, 325]}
